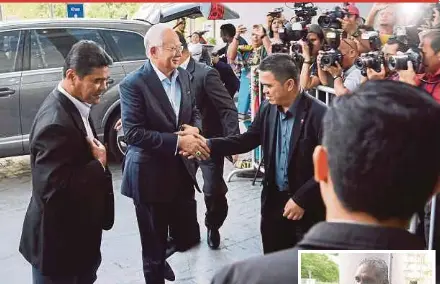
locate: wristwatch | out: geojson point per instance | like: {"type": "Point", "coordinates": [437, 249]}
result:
{"type": "Point", "coordinates": [356, 33]}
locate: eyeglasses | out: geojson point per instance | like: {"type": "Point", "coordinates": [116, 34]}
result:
{"type": "Point", "coordinates": [174, 49]}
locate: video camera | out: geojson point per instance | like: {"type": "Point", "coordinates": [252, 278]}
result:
{"type": "Point", "coordinates": [304, 12]}
{"type": "Point", "coordinates": [400, 62]}
{"type": "Point", "coordinates": [291, 34]}
{"type": "Point", "coordinates": [373, 59]}
{"type": "Point", "coordinates": [329, 19]}
{"type": "Point", "coordinates": [331, 54]}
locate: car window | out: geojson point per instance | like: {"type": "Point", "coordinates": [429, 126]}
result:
{"type": "Point", "coordinates": [49, 47]}
{"type": "Point", "coordinates": [130, 45]}
{"type": "Point", "coordinates": [8, 50]}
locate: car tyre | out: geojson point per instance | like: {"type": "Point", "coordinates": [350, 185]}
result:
{"type": "Point", "coordinates": [117, 145]}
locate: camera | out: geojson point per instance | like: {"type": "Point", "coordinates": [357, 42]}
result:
{"type": "Point", "coordinates": [373, 39]}
{"type": "Point", "coordinates": [304, 12]}
{"type": "Point", "coordinates": [331, 54]}
{"type": "Point", "coordinates": [400, 62]}
{"type": "Point", "coordinates": [276, 13]}
{"type": "Point", "coordinates": [372, 59]}
{"type": "Point", "coordinates": [330, 57]}
{"type": "Point", "coordinates": [329, 19]}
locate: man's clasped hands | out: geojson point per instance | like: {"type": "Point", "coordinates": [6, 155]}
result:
{"type": "Point", "coordinates": [191, 144]}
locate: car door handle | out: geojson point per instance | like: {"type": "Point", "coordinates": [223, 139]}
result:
{"type": "Point", "coordinates": [4, 92]}
{"type": "Point", "coordinates": [110, 81]}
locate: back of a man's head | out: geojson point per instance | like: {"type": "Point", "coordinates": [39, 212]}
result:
{"type": "Point", "coordinates": [383, 149]}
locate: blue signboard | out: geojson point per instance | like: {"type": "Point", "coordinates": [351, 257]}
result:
{"type": "Point", "coordinates": [75, 10]}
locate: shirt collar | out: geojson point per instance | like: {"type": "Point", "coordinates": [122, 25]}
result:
{"type": "Point", "coordinates": [163, 77]}
{"type": "Point", "coordinates": [184, 65]}
{"type": "Point", "coordinates": [83, 108]}
{"type": "Point", "coordinates": [291, 111]}
{"type": "Point", "coordinates": [349, 70]}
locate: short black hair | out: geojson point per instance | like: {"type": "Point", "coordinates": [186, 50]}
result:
{"type": "Point", "coordinates": [434, 35]}
{"type": "Point", "coordinates": [383, 148]}
{"type": "Point", "coordinates": [182, 41]}
{"type": "Point", "coordinates": [282, 66]}
{"type": "Point", "coordinates": [401, 45]}
{"type": "Point", "coordinates": [84, 56]}
{"type": "Point", "coordinates": [228, 29]}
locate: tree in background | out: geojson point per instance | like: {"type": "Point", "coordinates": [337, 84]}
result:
{"type": "Point", "coordinates": [111, 10]}
{"type": "Point", "coordinates": [22, 11]}
{"type": "Point", "coordinates": [321, 267]}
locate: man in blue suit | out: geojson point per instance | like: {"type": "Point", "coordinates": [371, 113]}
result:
{"type": "Point", "coordinates": [156, 102]}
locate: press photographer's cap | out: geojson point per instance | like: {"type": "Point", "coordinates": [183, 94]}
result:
{"type": "Point", "coordinates": [352, 9]}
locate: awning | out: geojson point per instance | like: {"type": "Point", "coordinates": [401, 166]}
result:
{"type": "Point", "coordinates": [163, 13]}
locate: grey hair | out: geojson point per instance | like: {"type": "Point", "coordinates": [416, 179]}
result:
{"type": "Point", "coordinates": [379, 266]}
{"type": "Point", "coordinates": [154, 37]}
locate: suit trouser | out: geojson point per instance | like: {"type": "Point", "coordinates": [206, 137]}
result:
{"type": "Point", "coordinates": [154, 220]}
{"type": "Point", "coordinates": [278, 232]}
{"type": "Point", "coordinates": [214, 190]}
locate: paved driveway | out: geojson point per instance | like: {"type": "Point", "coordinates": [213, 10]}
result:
{"type": "Point", "coordinates": [121, 246]}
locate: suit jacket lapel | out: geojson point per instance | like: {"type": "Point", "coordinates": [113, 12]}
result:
{"type": "Point", "coordinates": [191, 68]}
{"type": "Point", "coordinates": [72, 110]}
{"type": "Point", "coordinates": [271, 135]}
{"type": "Point", "coordinates": [93, 128]}
{"type": "Point", "coordinates": [185, 101]}
{"type": "Point", "coordinates": [300, 114]}
{"type": "Point", "coordinates": [157, 90]}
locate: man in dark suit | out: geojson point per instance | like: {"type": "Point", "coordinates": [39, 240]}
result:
{"type": "Point", "coordinates": [378, 165]}
{"type": "Point", "coordinates": [219, 119]}
{"type": "Point", "coordinates": [227, 75]}
{"type": "Point", "coordinates": [288, 126]}
{"type": "Point", "coordinates": [72, 194]}
{"type": "Point", "coordinates": [156, 101]}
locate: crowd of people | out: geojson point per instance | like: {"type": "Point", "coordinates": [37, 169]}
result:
{"type": "Point", "coordinates": [348, 175]}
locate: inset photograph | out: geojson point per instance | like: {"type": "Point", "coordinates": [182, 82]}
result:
{"type": "Point", "coordinates": [362, 267]}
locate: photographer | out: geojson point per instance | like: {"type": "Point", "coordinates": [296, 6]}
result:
{"type": "Point", "coordinates": [386, 21]}
{"type": "Point", "coordinates": [363, 41]}
{"type": "Point", "coordinates": [244, 58]}
{"type": "Point", "coordinates": [391, 48]}
{"type": "Point", "coordinates": [309, 72]}
{"type": "Point", "coordinates": [346, 76]}
{"type": "Point", "coordinates": [351, 21]}
{"type": "Point", "coordinates": [430, 80]}
{"type": "Point", "coordinates": [274, 25]}
{"type": "Point", "coordinates": [227, 33]}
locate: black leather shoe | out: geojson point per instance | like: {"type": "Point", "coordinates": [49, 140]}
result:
{"type": "Point", "coordinates": [168, 273]}
{"type": "Point", "coordinates": [213, 238]}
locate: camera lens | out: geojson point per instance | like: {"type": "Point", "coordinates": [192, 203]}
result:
{"type": "Point", "coordinates": [326, 60]}
{"type": "Point", "coordinates": [359, 63]}
{"type": "Point", "coordinates": [398, 62]}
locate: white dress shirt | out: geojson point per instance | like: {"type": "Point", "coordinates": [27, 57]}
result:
{"type": "Point", "coordinates": [83, 108]}
{"type": "Point", "coordinates": [174, 94]}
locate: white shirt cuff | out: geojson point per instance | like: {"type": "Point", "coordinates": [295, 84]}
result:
{"type": "Point", "coordinates": [177, 146]}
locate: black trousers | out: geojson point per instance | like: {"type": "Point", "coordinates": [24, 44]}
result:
{"type": "Point", "coordinates": [278, 232]}
{"type": "Point", "coordinates": [154, 221]}
{"type": "Point", "coordinates": [86, 277]}
{"type": "Point", "coordinates": [214, 190]}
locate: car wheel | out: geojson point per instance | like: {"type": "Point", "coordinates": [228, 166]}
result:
{"type": "Point", "coordinates": [117, 145]}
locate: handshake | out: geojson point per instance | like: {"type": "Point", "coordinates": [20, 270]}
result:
{"type": "Point", "coordinates": [191, 144]}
